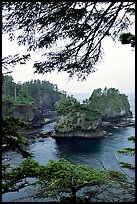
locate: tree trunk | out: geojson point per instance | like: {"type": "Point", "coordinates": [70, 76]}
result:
{"type": "Point", "coordinates": [73, 196]}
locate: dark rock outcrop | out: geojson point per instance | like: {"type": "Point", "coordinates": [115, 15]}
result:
{"type": "Point", "coordinates": [67, 127]}
{"type": "Point", "coordinates": [80, 133]}
{"type": "Point", "coordinates": [29, 114]}
{"type": "Point", "coordinates": [47, 101]}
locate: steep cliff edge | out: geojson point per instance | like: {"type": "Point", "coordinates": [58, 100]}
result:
{"type": "Point", "coordinates": [30, 101]}
{"type": "Point", "coordinates": [29, 113]}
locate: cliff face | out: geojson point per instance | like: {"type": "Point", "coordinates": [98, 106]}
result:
{"type": "Point", "coordinates": [109, 114]}
{"type": "Point", "coordinates": [76, 125]}
{"type": "Point", "coordinates": [46, 101]}
{"type": "Point", "coordinates": [32, 114]}
{"type": "Point", "coordinates": [71, 122]}
{"type": "Point", "coordinates": [29, 114]}
{"type": "Point", "coordinates": [42, 94]}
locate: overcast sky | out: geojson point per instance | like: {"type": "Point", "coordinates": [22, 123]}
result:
{"type": "Point", "coordinates": [117, 69]}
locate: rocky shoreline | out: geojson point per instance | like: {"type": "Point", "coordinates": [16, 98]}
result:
{"type": "Point", "coordinates": [104, 130]}
{"type": "Point", "coordinates": [100, 129]}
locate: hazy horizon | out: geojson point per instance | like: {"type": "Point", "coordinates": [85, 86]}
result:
{"type": "Point", "coordinates": [77, 95]}
{"type": "Point", "coordinates": [116, 70]}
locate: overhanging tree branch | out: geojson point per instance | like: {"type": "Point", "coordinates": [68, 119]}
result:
{"type": "Point", "coordinates": [85, 24]}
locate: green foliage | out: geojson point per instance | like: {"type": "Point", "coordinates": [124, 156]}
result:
{"type": "Point", "coordinates": [12, 176]}
{"type": "Point", "coordinates": [65, 182]}
{"type": "Point", "coordinates": [85, 25]}
{"type": "Point", "coordinates": [128, 151]}
{"type": "Point", "coordinates": [30, 92]}
{"type": "Point", "coordinates": [15, 93]}
{"type": "Point", "coordinates": [8, 99]}
{"type": "Point", "coordinates": [131, 138]}
{"type": "Point", "coordinates": [23, 98]}
{"type": "Point", "coordinates": [102, 104]}
{"type": "Point", "coordinates": [109, 101]}
{"type": "Point", "coordinates": [67, 104]}
{"type": "Point", "coordinates": [127, 165]}
{"type": "Point", "coordinates": [8, 86]}
{"type": "Point", "coordinates": [61, 180]}
{"type": "Point", "coordinates": [92, 116]}
{"type": "Point", "coordinates": [129, 186]}
{"type": "Point", "coordinates": [127, 38]}
{"type": "Point", "coordinates": [11, 136]}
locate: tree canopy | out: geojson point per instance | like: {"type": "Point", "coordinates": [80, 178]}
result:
{"type": "Point", "coordinates": [80, 26]}
{"type": "Point", "coordinates": [109, 101]}
{"type": "Point", "coordinates": [11, 137]}
{"type": "Point", "coordinates": [61, 181]}
{"type": "Point", "coordinates": [30, 93]}
{"type": "Point", "coordinates": [67, 104]}
{"type": "Point", "coordinates": [105, 101]}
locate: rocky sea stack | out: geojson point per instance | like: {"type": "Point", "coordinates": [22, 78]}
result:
{"type": "Point", "coordinates": [103, 110]}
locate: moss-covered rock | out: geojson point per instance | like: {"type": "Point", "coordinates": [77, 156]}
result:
{"type": "Point", "coordinates": [104, 109]}
{"type": "Point", "coordinates": [71, 122]}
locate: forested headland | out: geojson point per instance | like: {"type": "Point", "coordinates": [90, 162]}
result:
{"type": "Point", "coordinates": [30, 100]}
{"type": "Point", "coordinates": [42, 94]}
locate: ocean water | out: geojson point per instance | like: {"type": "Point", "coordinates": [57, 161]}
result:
{"type": "Point", "coordinates": [96, 152]}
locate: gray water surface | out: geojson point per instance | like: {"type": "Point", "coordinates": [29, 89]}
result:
{"type": "Point", "coordinates": [93, 152]}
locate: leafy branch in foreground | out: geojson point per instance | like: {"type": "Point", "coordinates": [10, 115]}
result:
{"type": "Point", "coordinates": [81, 26]}
{"type": "Point", "coordinates": [11, 138]}
{"type": "Point", "coordinates": [127, 38]}
{"type": "Point", "coordinates": [128, 151]}
{"type": "Point", "coordinates": [62, 181]}
{"type": "Point", "coordinates": [129, 186]}
{"type": "Point", "coordinates": [14, 179]}
{"type": "Point", "coordinates": [11, 61]}
{"type": "Point", "coordinates": [65, 182]}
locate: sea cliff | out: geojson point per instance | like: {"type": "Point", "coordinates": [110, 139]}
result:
{"type": "Point", "coordinates": [103, 111]}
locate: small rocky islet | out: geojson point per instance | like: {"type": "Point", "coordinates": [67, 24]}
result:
{"type": "Point", "coordinates": [104, 110]}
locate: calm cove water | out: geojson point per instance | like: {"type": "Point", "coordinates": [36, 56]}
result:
{"type": "Point", "coordinates": [86, 151]}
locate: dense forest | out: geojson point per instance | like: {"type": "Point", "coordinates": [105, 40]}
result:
{"type": "Point", "coordinates": [42, 94]}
